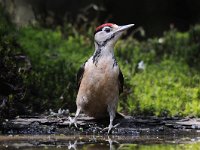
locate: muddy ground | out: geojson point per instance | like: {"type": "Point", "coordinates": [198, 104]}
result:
{"type": "Point", "coordinates": [129, 125]}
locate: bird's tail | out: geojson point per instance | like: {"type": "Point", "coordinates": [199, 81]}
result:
{"type": "Point", "coordinates": [119, 115]}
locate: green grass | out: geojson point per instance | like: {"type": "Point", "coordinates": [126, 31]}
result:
{"type": "Point", "coordinates": [168, 86]}
{"type": "Point", "coordinates": [170, 83]}
{"type": "Point", "coordinates": [55, 60]}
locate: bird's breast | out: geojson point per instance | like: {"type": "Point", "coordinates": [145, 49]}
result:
{"type": "Point", "coordinates": [99, 87]}
{"type": "Point", "coordinates": [103, 71]}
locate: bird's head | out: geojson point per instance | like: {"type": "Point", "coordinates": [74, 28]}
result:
{"type": "Point", "coordinates": [109, 33]}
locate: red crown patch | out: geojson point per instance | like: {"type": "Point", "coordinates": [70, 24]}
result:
{"type": "Point", "coordinates": [103, 25]}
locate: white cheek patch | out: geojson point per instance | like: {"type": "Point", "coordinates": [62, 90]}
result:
{"type": "Point", "coordinates": [101, 36]}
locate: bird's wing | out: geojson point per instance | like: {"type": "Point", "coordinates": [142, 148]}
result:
{"type": "Point", "coordinates": [79, 75]}
{"type": "Point", "coordinates": [121, 81]}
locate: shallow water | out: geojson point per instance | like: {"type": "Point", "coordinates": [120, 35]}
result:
{"type": "Point", "coordinates": [94, 142]}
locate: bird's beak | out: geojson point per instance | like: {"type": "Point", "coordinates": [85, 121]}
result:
{"type": "Point", "coordinates": [123, 28]}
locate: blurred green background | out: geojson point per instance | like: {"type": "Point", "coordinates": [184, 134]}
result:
{"type": "Point", "coordinates": [44, 42]}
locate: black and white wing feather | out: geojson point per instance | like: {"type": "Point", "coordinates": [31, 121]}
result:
{"type": "Point", "coordinates": [121, 81]}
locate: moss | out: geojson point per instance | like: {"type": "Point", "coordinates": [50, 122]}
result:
{"type": "Point", "coordinates": [167, 86]}
{"type": "Point", "coordinates": [55, 60]}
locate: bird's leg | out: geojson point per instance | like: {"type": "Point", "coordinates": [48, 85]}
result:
{"type": "Point", "coordinates": [111, 110]}
{"type": "Point", "coordinates": [112, 116]}
{"type": "Point", "coordinates": [73, 121]}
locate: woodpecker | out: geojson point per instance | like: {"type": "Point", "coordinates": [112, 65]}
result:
{"type": "Point", "coordinates": [99, 79]}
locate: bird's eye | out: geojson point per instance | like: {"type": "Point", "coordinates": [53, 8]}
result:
{"type": "Point", "coordinates": [107, 30]}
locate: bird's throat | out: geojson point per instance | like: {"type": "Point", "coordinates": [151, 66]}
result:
{"type": "Point", "coordinates": [104, 43]}
{"type": "Point", "coordinates": [102, 52]}
{"type": "Point", "coordinates": [103, 49]}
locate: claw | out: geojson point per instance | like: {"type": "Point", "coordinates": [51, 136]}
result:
{"type": "Point", "coordinates": [110, 127]}
{"type": "Point", "coordinates": [72, 121]}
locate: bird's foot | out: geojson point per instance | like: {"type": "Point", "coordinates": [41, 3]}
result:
{"type": "Point", "coordinates": [110, 127]}
{"type": "Point", "coordinates": [72, 121]}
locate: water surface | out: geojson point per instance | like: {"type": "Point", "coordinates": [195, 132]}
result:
{"type": "Point", "coordinates": [95, 142]}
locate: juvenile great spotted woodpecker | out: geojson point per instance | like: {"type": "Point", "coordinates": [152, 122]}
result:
{"type": "Point", "coordinates": [99, 79]}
